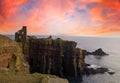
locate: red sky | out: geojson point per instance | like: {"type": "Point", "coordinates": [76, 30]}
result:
{"type": "Point", "coordinates": [55, 17]}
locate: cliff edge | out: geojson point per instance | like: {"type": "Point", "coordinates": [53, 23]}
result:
{"type": "Point", "coordinates": [51, 56]}
{"type": "Point", "coordinates": [11, 56]}
{"type": "Point", "coordinates": [15, 69]}
{"type": "Point", "coordinates": [22, 58]}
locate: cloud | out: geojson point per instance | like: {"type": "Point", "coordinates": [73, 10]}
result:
{"type": "Point", "coordinates": [56, 8]}
{"type": "Point", "coordinates": [8, 8]}
{"type": "Point", "coordinates": [71, 17]}
{"type": "Point", "coordinates": [106, 12]}
{"type": "Point", "coordinates": [90, 1]}
{"type": "Point", "coordinates": [47, 14]}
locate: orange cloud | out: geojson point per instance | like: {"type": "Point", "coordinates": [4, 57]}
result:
{"type": "Point", "coordinates": [97, 14]}
{"type": "Point", "coordinates": [93, 17]}
{"type": "Point", "coordinates": [90, 1]}
{"type": "Point", "coordinates": [46, 13]}
{"type": "Point", "coordinates": [90, 31]}
{"type": "Point", "coordinates": [56, 8]}
{"type": "Point", "coordinates": [6, 27]}
{"type": "Point", "coordinates": [8, 7]}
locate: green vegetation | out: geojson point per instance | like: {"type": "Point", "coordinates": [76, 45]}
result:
{"type": "Point", "coordinates": [18, 77]}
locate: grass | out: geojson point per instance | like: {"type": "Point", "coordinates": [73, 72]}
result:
{"type": "Point", "coordinates": [19, 77]}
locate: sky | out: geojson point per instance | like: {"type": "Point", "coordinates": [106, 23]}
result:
{"type": "Point", "coordinates": [61, 17]}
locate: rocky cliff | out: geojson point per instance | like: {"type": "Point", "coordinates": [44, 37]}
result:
{"type": "Point", "coordinates": [51, 56]}
{"type": "Point", "coordinates": [58, 57]}
{"type": "Point", "coordinates": [11, 56]}
{"type": "Point", "coordinates": [15, 69]}
{"type": "Point", "coordinates": [46, 55]}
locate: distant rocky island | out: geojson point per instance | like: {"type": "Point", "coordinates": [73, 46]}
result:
{"type": "Point", "coordinates": [98, 52]}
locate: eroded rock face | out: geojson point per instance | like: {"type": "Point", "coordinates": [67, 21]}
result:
{"type": "Point", "coordinates": [11, 56]}
{"type": "Point", "coordinates": [51, 56]}
{"type": "Point", "coordinates": [56, 57]}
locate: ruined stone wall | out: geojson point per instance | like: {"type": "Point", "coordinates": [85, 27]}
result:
{"type": "Point", "coordinates": [21, 35]}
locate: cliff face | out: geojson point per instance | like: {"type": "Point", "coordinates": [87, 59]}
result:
{"type": "Point", "coordinates": [13, 67]}
{"type": "Point", "coordinates": [51, 56]}
{"type": "Point", "coordinates": [11, 56]}
{"type": "Point", "coordinates": [46, 55]}
{"type": "Point", "coordinates": [56, 57]}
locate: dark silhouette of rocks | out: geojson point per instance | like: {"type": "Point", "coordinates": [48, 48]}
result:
{"type": "Point", "coordinates": [111, 73]}
{"type": "Point", "coordinates": [101, 70]}
{"type": "Point", "coordinates": [89, 69]}
{"type": "Point", "coordinates": [21, 35]}
{"type": "Point", "coordinates": [52, 56]}
{"type": "Point", "coordinates": [98, 52]}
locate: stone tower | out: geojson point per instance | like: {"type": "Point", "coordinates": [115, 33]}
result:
{"type": "Point", "coordinates": [21, 35]}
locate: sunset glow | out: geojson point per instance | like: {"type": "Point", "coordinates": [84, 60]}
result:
{"type": "Point", "coordinates": [56, 17]}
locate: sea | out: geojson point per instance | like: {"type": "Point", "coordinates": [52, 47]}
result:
{"type": "Point", "coordinates": [112, 62]}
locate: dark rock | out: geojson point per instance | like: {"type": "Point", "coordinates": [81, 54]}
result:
{"type": "Point", "coordinates": [53, 56]}
{"type": "Point", "coordinates": [86, 64]}
{"type": "Point", "coordinates": [95, 70]}
{"type": "Point", "coordinates": [101, 70]}
{"type": "Point", "coordinates": [98, 52]}
{"type": "Point", "coordinates": [21, 35]}
{"type": "Point", "coordinates": [89, 71]}
{"type": "Point", "coordinates": [111, 72]}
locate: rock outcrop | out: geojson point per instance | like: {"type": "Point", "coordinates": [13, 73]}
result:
{"type": "Point", "coordinates": [98, 52]}
{"type": "Point", "coordinates": [58, 57]}
{"type": "Point", "coordinates": [95, 69]}
{"type": "Point", "coordinates": [52, 56]}
{"type": "Point", "coordinates": [11, 56]}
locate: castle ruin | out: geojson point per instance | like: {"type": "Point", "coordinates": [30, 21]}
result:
{"type": "Point", "coordinates": [21, 35]}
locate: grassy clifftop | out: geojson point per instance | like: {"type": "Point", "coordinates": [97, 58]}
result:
{"type": "Point", "coordinates": [10, 77]}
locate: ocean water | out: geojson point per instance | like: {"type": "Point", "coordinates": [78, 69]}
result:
{"type": "Point", "coordinates": [112, 62]}
{"type": "Point", "coordinates": [110, 46]}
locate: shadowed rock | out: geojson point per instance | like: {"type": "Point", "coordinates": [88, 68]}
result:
{"type": "Point", "coordinates": [94, 69]}
{"type": "Point", "coordinates": [58, 57]}
{"type": "Point", "coordinates": [98, 52]}
{"type": "Point", "coordinates": [53, 56]}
